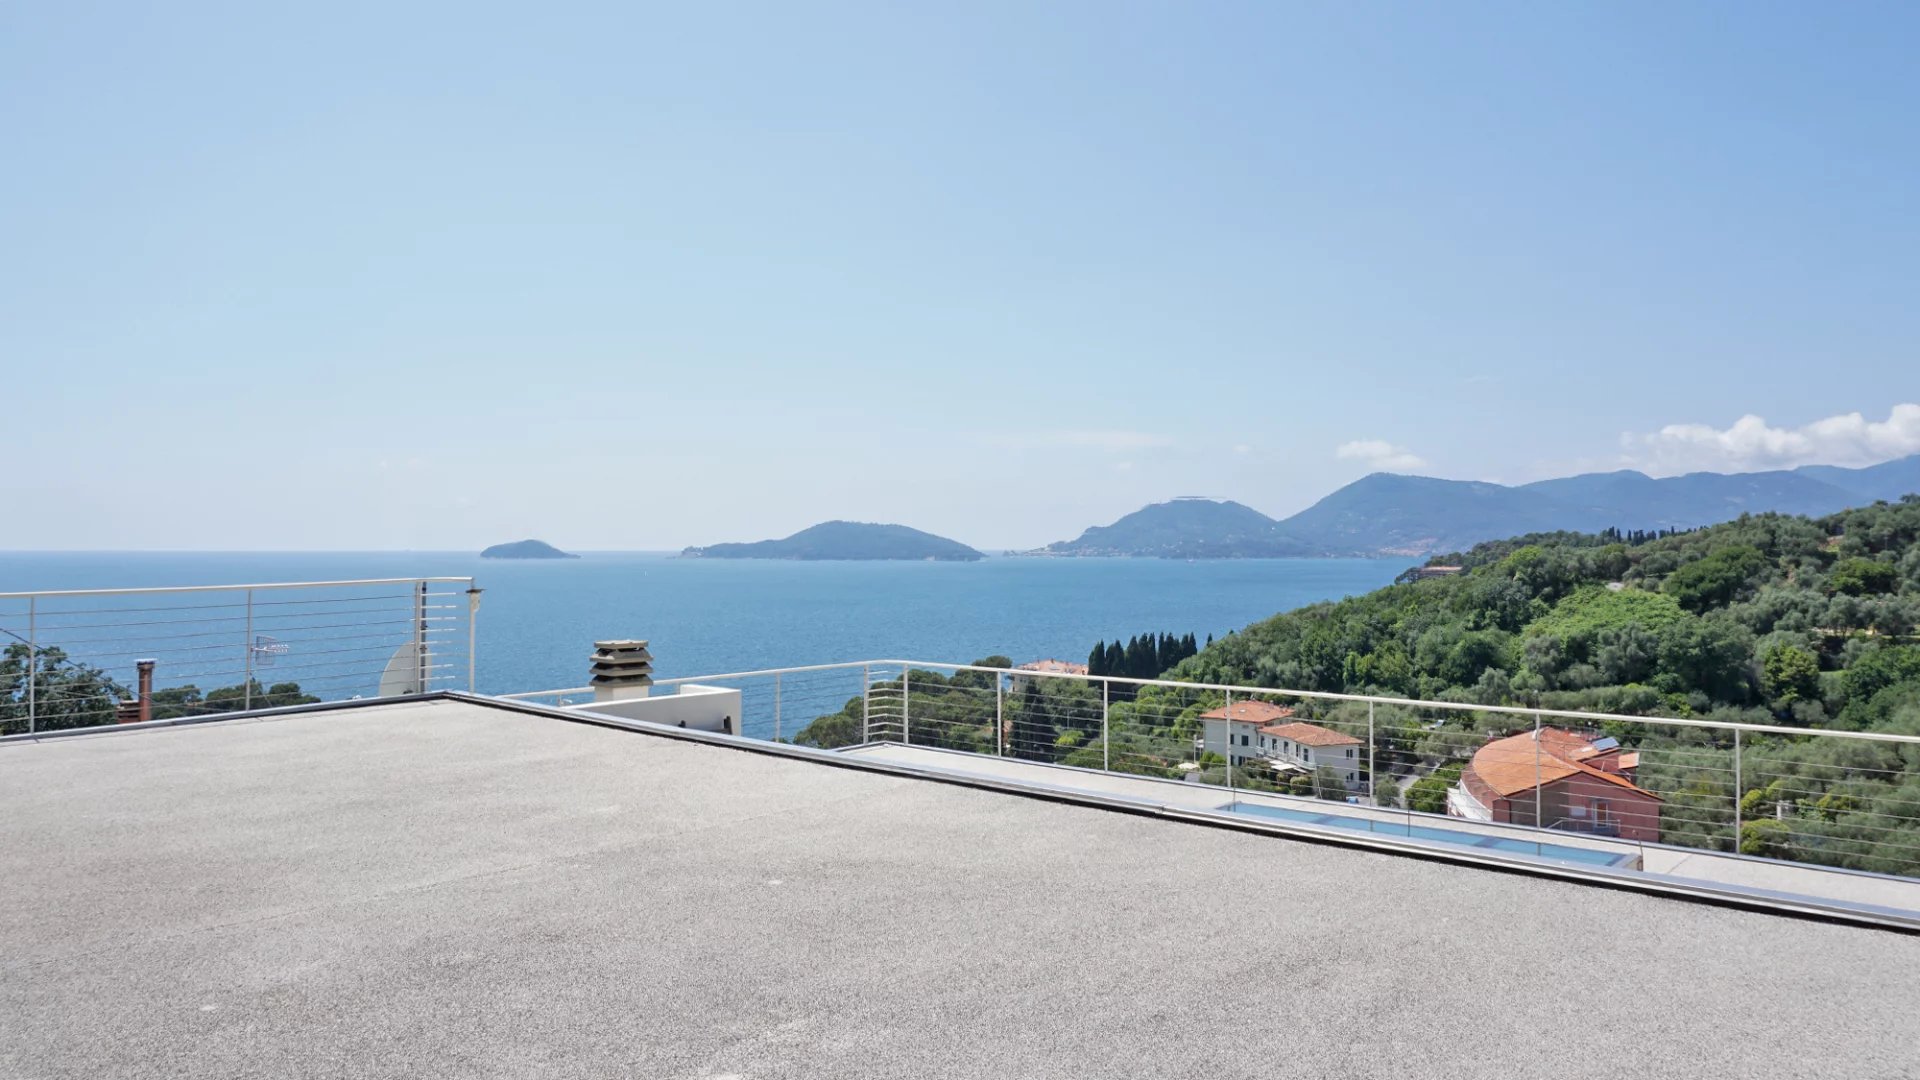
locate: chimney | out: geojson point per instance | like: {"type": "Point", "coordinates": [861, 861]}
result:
{"type": "Point", "coordinates": [621, 670]}
{"type": "Point", "coordinates": [146, 689]}
{"type": "Point", "coordinates": [140, 709]}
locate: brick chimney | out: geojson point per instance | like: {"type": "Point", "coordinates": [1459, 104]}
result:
{"type": "Point", "coordinates": [140, 709]}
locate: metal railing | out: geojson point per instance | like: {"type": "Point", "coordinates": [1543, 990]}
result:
{"type": "Point", "coordinates": [74, 658]}
{"type": "Point", "coordinates": [1843, 799]}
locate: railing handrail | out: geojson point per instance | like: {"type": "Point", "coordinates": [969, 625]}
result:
{"type": "Point", "coordinates": [1321, 695]}
{"type": "Point", "coordinates": [1454, 706]}
{"type": "Point", "coordinates": [150, 590]}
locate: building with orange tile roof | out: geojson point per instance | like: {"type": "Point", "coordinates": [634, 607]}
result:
{"type": "Point", "coordinates": [1233, 736]}
{"type": "Point", "coordinates": [1305, 747]}
{"type": "Point", "coordinates": [1264, 732]}
{"type": "Point", "coordinates": [1563, 780]}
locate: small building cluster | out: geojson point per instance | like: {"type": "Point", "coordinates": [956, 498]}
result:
{"type": "Point", "coordinates": [1054, 667]}
{"type": "Point", "coordinates": [1423, 573]}
{"type": "Point", "coordinates": [1257, 731]}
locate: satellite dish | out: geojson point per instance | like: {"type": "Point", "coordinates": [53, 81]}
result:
{"type": "Point", "coordinates": [403, 673]}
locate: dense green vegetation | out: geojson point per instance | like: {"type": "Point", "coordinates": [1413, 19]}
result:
{"type": "Point", "coordinates": [1144, 656]}
{"type": "Point", "coordinates": [1770, 619]}
{"type": "Point", "coordinates": [65, 694]}
{"type": "Point", "coordinates": [68, 694]}
{"type": "Point", "coordinates": [189, 701]}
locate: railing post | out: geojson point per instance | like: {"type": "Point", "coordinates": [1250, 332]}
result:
{"type": "Point", "coordinates": [420, 638]}
{"type": "Point", "coordinates": [473, 616]}
{"type": "Point", "coordinates": [246, 695]}
{"type": "Point", "coordinates": [1228, 712]}
{"type": "Point", "coordinates": [866, 702]}
{"type": "Point", "coordinates": [999, 716]}
{"type": "Point", "coordinates": [1538, 820]}
{"type": "Point", "coordinates": [906, 706]}
{"type": "Point", "coordinates": [1106, 742]}
{"type": "Point", "coordinates": [776, 707]}
{"type": "Point", "coordinates": [1371, 801]}
{"type": "Point", "coordinates": [33, 657]}
{"type": "Point", "coordinates": [1737, 792]}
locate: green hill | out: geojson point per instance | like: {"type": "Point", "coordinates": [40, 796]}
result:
{"type": "Point", "coordinates": [525, 549]}
{"type": "Point", "coordinates": [845, 540]}
{"type": "Point", "coordinates": [1187, 529]}
{"type": "Point", "coordinates": [1768, 619]}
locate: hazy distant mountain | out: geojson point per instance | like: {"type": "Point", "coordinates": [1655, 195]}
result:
{"type": "Point", "coordinates": [845, 540]}
{"type": "Point", "coordinates": [1187, 529]}
{"type": "Point", "coordinates": [1696, 498]}
{"type": "Point", "coordinates": [1389, 514]}
{"type": "Point", "coordinates": [1888, 480]}
{"type": "Point", "coordinates": [525, 549]}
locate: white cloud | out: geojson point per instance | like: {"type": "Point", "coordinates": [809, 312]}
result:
{"type": "Point", "coordinates": [1113, 442]}
{"type": "Point", "coordinates": [1242, 448]}
{"type": "Point", "coordinates": [1381, 454]}
{"type": "Point", "coordinates": [1751, 443]}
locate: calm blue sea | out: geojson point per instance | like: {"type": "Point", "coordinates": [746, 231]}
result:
{"type": "Point", "coordinates": [538, 619]}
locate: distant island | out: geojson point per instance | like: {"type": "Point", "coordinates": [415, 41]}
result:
{"type": "Point", "coordinates": [1387, 514]}
{"type": "Point", "coordinates": [526, 549]}
{"type": "Point", "coordinates": [845, 540]}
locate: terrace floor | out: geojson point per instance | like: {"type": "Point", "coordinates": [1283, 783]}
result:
{"type": "Point", "coordinates": [453, 889]}
{"type": "Point", "coordinates": [1760, 876]}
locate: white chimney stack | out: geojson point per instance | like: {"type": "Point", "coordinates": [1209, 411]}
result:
{"type": "Point", "coordinates": [622, 670]}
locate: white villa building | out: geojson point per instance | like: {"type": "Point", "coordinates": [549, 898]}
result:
{"type": "Point", "coordinates": [1259, 731]}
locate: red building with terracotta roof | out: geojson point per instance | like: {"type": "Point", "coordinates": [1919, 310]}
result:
{"type": "Point", "coordinates": [1564, 781]}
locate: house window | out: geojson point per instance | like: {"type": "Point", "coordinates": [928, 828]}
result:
{"type": "Point", "coordinates": [1306, 755]}
{"type": "Point", "coordinates": [1243, 740]}
{"type": "Point", "coordinates": [1349, 751]}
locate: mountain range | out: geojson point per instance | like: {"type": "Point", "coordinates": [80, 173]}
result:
{"type": "Point", "coordinates": [1391, 514]}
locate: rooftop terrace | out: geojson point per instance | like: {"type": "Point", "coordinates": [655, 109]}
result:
{"type": "Point", "coordinates": [459, 887]}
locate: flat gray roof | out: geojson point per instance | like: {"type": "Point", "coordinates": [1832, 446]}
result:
{"type": "Point", "coordinates": [445, 888]}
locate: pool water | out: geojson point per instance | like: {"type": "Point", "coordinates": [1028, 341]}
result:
{"type": "Point", "coordinates": [1455, 837]}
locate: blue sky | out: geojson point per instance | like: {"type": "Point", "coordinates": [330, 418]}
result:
{"type": "Point", "coordinates": [624, 276]}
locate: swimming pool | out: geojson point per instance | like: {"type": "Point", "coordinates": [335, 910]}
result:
{"type": "Point", "coordinates": [1455, 837]}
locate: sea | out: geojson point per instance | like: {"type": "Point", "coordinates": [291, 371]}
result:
{"type": "Point", "coordinates": [538, 619]}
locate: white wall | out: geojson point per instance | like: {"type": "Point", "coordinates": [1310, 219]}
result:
{"type": "Point", "coordinates": [1312, 757]}
{"type": "Point", "coordinates": [697, 708]}
{"type": "Point", "coordinates": [1216, 740]}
